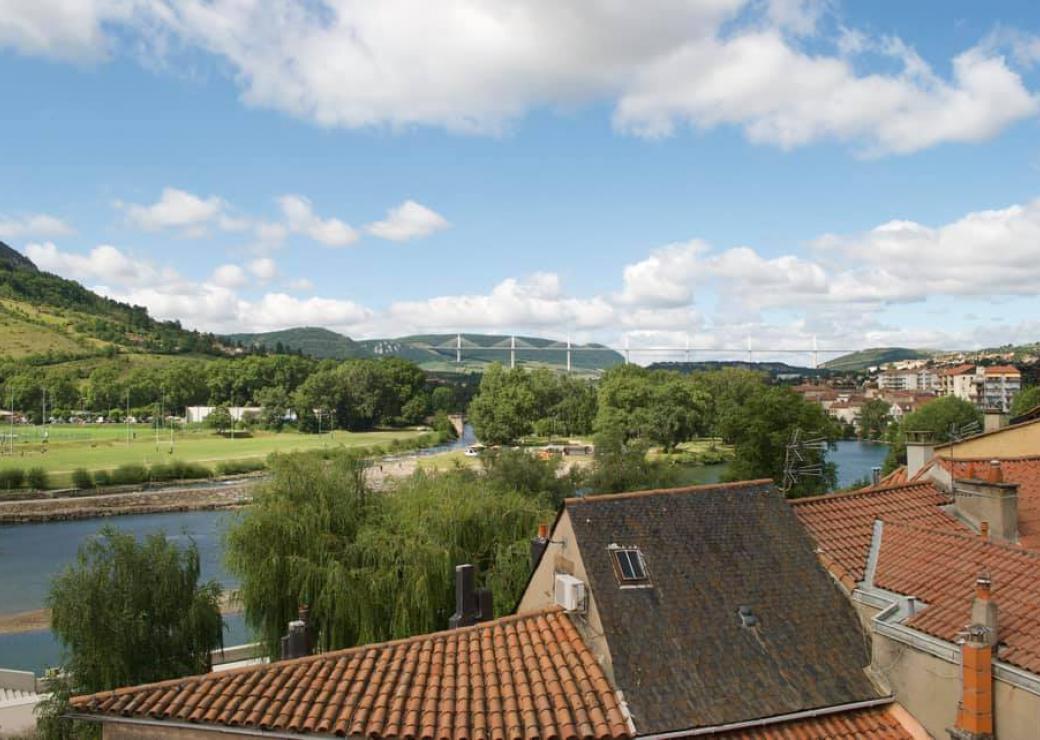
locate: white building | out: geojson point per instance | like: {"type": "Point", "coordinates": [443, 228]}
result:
{"type": "Point", "coordinates": [198, 414]}
{"type": "Point", "coordinates": [919, 379]}
{"type": "Point", "coordinates": [999, 385]}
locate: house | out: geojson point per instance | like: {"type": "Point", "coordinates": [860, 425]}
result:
{"type": "Point", "coordinates": [673, 613]}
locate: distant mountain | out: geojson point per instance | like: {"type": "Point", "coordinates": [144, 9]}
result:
{"type": "Point", "coordinates": [310, 340]}
{"type": "Point", "coordinates": [865, 358]}
{"type": "Point", "coordinates": [773, 369]}
{"type": "Point", "coordinates": [48, 317]}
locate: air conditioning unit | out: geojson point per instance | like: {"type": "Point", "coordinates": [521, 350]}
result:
{"type": "Point", "coordinates": [570, 592]}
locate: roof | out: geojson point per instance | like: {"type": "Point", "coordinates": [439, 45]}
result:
{"type": "Point", "coordinates": [941, 568]}
{"type": "Point", "coordinates": [842, 524]}
{"type": "Point", "coordinates": [528, 677]}
{"type": "Point", "coordinates": [1025, 471]}
{"type": "Point", "coordinates": [869, 722]}
{"type": "Point", "coordinates": [1030, 415]}
{"type": "Point", "coordinates": [678, 651]}
{"type": "Point", "coordinates": [1001, 370]}
{"type": "Point", "coordinates": [957, 370]}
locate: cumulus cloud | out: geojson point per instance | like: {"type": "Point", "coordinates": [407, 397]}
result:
{"type": "Point", "coordinates": [229, 276]}
{"type": "Point", "coordinates": [300, 218]}
{"type": "Point", "coordinates": [478, 65]}
{"type": "Point", "coordinates": [105, 263]}
{"type": "Point", "coordinates": [410, 220]}
{"type": "Point", "coordinates": [175, 209]}
{"type": "Point", "coordinates": [264, 268]}
{"type": "Point", "coordinates": [37, 224]}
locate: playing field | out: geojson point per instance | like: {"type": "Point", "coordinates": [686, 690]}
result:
{"type": "Point", "coordinates": [107, 446]}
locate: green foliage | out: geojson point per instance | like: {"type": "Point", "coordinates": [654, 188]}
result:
{"type": "Point", "coordinates": [178, 470]}
{"type": "Point", "coordinates": [874, 418]}
{"type": "Point", "coordinates": [938, 418]}
{"type": "Point", "coordinates": [504, 409]}
{"type": "Point", "coordinates": [442, 399]}
{"type": "Point", "coordinates": [240, 467]}
{"type": "Point", "coordinates": [658, 406]}
{"type": "Point", "coordinates": [1025, 400]}
{"type": "Point", "coordinates": [622, 465]}
{"type": "Point", "coordinates": [126, 474]}
{"type": "Point", "coordinates": [518, 470]}
{"type": "Point", "coordinates": [373, 567]}
{"type": "Point", "coordinates": [130, 612]}
{"type": "Point", "coordinates": [38, 479]}
{"type": "Point", "coordinates": [11, 478]}
{"type": "Point", "coordinates": [81, 478]}
{"type": "Point", "coordinates": [763, 426]}
{"type": "Point", "coordinates": [219, 418]}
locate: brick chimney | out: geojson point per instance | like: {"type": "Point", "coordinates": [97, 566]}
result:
{"type": "Point", "coordinates": [920, 448]}
{"type": "Point", "coordinates": [538, 544]}
{"type": "Point", "coordinates": [985, 497]}
{"type": "Point", "coordinates": [975, 712]}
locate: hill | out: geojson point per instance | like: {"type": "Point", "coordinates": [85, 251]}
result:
{"type": "Point", "coordinates": [865, 358]}
{"type": "Point", "coordinates": [774, 370]}
{"type": "Point", "coordinates": [48, 318]}
{"type": "Point", "coordinates": [310, 340]}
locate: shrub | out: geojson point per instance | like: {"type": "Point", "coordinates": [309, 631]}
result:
{"type": "Point", "coordinates": [12, 478]}
{"type": "Point", "coordinates": [238, 467]}
{"type": "Point", "coordinates": [178, 470]}
{"type": "Point", "coordinates": [129, 473]}
{"type": "Point", "coordinates": [38, 479]}
{"type": "Point", "coordinates": [102, 478]}
{"type": "Point", "coordinates": [81, 478]}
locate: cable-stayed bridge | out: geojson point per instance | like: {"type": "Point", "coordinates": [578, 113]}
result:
{"type": "Point", "coordinates": [460, 346]}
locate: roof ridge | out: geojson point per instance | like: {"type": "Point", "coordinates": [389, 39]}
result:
{"type": "Point", "coordinates": [862, 492]}
{"type": "Point", "coordinates": [1008, 547]}
{"type": "Point", "coordinates": [988, 458]}
{"type": "Point", "coordinates": [332, 654]}
{"type": "Point", "coordinates": [662, 491]}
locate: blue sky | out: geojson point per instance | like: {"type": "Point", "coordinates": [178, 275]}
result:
{"type": "Point", "coordinates": [862, 173]}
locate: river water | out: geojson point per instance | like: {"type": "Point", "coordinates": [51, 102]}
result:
{"type": "Point", "coordinates": [31, 554]}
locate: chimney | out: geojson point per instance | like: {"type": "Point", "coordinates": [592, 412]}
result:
{"type": "Point", "coordinates": [984, 530]}
{"type": "Point", "coordinates": [920, 447]}
{"type": "Point", "coordinates": [975, 712]}
{"type": "Point", "coordinates": [994, 419]}
{"type": "Point", "coordinates": [875, 474]}
{"type": "Point", "coordinates": [985, 497]}
{"type": "Point", "coordinates": [298, 641]}
{"type": "Point", "coordinates": [472, 605]}
{"type": "Point", "coordinates": [538, 544]}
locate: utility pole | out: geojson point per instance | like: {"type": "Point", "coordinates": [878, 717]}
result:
{"type": "Point", "coordinates": [127, 419]}
{"type": "Point", "coordinates": [458, 348]}
{"type": "Point", "coordinates": [43, 419]}
{"type": "Point", "coordinates": [749, 349]}
{"type": "Point", "coordinates": [12, 422]}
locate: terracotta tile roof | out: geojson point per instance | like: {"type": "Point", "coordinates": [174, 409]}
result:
{"type": "Point", "coordinates": [527, 677]}
{"type": "Point", "coordinates": [678, 649]}
{"type": "Point", "coordinates": [842, 524]}
{"type": "Point", "coordinates": [940, 568]}
{"type": "Point", "coordinates": [1025, 471]}
{"type": "Point", "coordinates": [878, 722]}
{"type": "Point", "coordinates": [1002, 370]}
{"type": "Point", "coordinates": [957, 370]}
{"type": "Point", "coordinates": [896, 478]}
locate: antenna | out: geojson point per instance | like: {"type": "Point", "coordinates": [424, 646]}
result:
{"type": "Point", "coordinates": [802, 458]}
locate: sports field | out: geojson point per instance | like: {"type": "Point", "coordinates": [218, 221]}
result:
{"type": "Point", "coordinates": [107, 446]}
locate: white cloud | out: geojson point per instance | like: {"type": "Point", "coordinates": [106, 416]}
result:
{"type": "Point", "coordinates": [301, 284]}
{"type": "Point", "coordinates": [410, 220]}
{"type": "Point", "coordinates": [478, 65]}
{"type": "Point", "coordinates": [264, 268]}
{"type": "Point", "coordinates": [176, 209]}
{"type": "Point", "coordinates": [37, 224]}
{"type": "Point", "coordinates": [105, 263]}
{"type": "Point", "coordinates": [229, 276]}
{"type": "Point", "coordinates": [301, 219]}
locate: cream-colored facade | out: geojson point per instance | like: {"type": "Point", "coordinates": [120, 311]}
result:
{"type": "Point", "coordinates": [1021, 440]}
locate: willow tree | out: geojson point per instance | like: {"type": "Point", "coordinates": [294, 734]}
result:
{"type": "Point", "coordinates": [130, 612]}
{"type": "Point", "coordinates": [373, 566]}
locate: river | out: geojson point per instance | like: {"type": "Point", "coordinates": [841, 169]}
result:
{"type": "Point", "coordinates": [31, 554]}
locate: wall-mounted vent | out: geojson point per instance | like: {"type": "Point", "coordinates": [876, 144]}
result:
{"type": "Point", "coordinates": [570, 592]}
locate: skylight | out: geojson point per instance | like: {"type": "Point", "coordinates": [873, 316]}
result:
{"type": "Point", "coordinates": [629, 566]}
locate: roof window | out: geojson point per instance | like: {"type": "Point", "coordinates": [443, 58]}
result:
{"type": "Point", "coordinates": [629, 566]}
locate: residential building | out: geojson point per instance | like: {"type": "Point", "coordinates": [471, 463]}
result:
{"type": "Point", "coordinates": [1000, 384]}
{"type": "Point", "coordinates": [689, 611]}
{"type": "Point", "coordinates": [958, 381]}
{"type": "Point", "coordinates": [919, 379]}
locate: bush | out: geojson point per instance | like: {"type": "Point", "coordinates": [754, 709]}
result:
{"type": "Point", "coordinates": [38, 479]}
{"type": "Point", "coordinates": [178, 470]}
{"type": "Point", "coordinates": [129, 473]}
{"type": "Point", "coordinates": [81, 478]}
{"type": "Point", "coordinates": [238, 467]}
{"type": "Point", "coordinates": [102, 478]}
{"type": "Point", "coordinates": [12, 478]}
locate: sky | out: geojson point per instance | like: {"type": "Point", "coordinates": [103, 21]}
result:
{"type": "Point", "coordinates": [644, 174]}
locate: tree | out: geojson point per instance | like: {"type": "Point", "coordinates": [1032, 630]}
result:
{"type": "Point", "coordinates": [622, 464]}
{"type": "Point", "coordinates": [874, 418]}
{"type": "Point", "coordinates": [764, 426]}
{"type": "Point", "coordinates": [219, 418]}
{"type": "Point", "coordinates": [274, 404]}
{"type": "Point", "coordinates": [504, 409]}
{"type": "Point", "coordinates": [941, 418]}
{"type": "Point", "coordinates": [443, 399]}
{"type": "Point", "coordinates": [658, 406]}
{"type": "Point", "coordinates": [1025, 400]}
{"type": "Point", "coordinates": [129, 612]}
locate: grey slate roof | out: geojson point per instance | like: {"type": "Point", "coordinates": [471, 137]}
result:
{"type": "Point", "coordinates": [679, 652]}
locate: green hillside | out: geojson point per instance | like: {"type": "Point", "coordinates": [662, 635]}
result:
{"type": "Point", "coordinates": [865, 358]}
{"type": "Point", "coordinates": [310, 340]}
{"type": "Point", "coordinates": [46, 317]}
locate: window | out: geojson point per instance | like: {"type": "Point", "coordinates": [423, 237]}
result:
{"type": "Point", "coordinates": [629, 566]}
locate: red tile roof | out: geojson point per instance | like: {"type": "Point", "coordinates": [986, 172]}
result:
{"type": "Point", "coordinates": [526, 677]}
{"type": "Point", "coordinates": [1025, 471]}
{"type": "Point", "coordinates": [940, 568]}
{"type": "Point", "coordinates": [896, 478]}
{"type": "Point", "coordinates": [872, 722]}
{"type": "Point", "coordinates": [1002, 370]}
{"type": "Point", "coordinates": [957, 370]}
{"type": "Point", "coordinates": [842, 523]}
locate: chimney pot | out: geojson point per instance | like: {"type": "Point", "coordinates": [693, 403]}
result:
{"type": "Point", "coordinates": [996, 474]}
{"type": "Point", "coordinates": [982, 587]}
{"type": "Point", "coordinates": [984, 530]}
{"type": "Point", "coordinates": [543, 531]}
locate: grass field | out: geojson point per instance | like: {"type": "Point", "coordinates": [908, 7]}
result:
{"type": "Point", "coordinates": [105, 446]}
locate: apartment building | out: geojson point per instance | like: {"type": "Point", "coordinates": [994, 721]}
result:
{"type": "Point", "coordinates": [999, 384]}
{"type": "Point", "coordinates": [919, 379]}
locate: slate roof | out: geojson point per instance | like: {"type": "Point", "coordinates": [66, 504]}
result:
{"type": "Point", "coordinates": [679, 653]}
{"type": "Point", "coordinates": [940, 568]}
{"type": "Point", "coordinates": [842, 524]}
{"type": "Point", "coordinates": [527, 677]}
{"type": "Point", "coordinates": [872, 722]}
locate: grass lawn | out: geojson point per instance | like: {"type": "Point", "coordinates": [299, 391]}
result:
{"type": "Point", "coordinates": [447, 461]}
{"type": "Point", "coordinates": [105, 447]}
